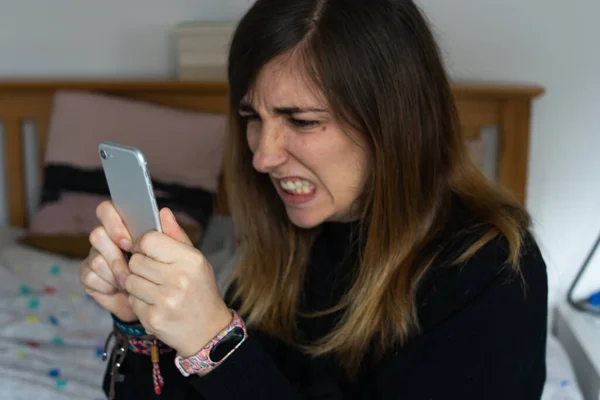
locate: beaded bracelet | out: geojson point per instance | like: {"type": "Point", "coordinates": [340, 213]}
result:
{"type": "Point", "coordinates": [145, 346]}
{"type": "Point", "coordinates": [131, 329]}
{"type": "Point", "coordinates": [134, 337]}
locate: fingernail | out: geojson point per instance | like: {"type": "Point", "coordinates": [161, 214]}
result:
{"type": "Point", "coordinates": [125, 244]}
{"type": "Point", "coordinates": [171, 215]}
{"type": "Point", "coordinates": [122, 278]}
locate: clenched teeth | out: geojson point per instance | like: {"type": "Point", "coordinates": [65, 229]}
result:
{"type": "Point", "coordinates": [296, 186]}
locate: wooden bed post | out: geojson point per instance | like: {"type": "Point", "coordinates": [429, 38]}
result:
{"type": "Point", "coordinates": [508, 108]}
{"type": "Point", "coordinates": [514, 146]}
{"type": "Point", "coordinates": [17, 204]}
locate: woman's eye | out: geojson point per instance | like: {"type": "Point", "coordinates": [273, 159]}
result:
{"type": "Point", "coordinates": [303, 123]}
{"type": "Point", "coordinates": [250, 117]}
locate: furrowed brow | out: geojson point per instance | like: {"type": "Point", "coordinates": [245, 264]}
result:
{"type": "Point", "coordinates": [296, 110]}
{"type": "Point", "coordinates": [246, 108]}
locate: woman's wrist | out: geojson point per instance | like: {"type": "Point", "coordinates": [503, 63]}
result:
{"type": "Point", "coordinates": [126, 321]}
{"type": "Point", "coordinates": [192, 346]}
{"type": "Point", "coordinates": [126, 317]}
{"type": "Point", "coordinates": [216, 351]}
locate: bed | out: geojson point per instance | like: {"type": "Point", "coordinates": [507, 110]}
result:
{"type": "Point", "coordinates": [506, 108]}
{"type": "Point", "coordinates": [52, 333]}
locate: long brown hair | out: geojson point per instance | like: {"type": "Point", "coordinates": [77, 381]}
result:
{"type": "Point", "coordinates": [379, 67]}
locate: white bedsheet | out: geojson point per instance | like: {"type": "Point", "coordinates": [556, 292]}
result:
{"type": "Point", "coordinates": [51, 333]}
{"type": "Point", "coordinates": [8, 235]}
{"type": "Point", "coordinates": [561, 383]}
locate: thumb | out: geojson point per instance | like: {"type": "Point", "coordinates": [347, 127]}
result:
{"type": "Point", "coordinates": [171, 228]}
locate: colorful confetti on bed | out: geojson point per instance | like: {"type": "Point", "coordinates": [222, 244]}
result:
{"type": "Point", "coordinates": [51, 332]}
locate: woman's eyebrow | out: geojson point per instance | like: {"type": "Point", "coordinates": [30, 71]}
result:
{"type": "Point", "coordinates": [246, 108]}
{"type": "Point", "coordinates": [297, 110]}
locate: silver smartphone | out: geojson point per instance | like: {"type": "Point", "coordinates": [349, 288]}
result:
{"type": "Point", "coordinates": [130, 186]}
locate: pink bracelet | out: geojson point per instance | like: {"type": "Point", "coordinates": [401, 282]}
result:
{"type": "Point", "coordinates": [201, 363]}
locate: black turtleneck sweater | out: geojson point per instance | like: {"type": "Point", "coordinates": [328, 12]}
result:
{"type": "Point", "coordinates": [483, 336]}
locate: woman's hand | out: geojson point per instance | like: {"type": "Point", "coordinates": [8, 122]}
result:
{"type": "Point", "coordinates": [173, 290]}
{"type": "Point", "coordinates": [104, 271]}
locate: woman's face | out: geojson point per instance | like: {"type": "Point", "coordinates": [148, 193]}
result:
{"type": "Point", "coordinates": [317, 168]}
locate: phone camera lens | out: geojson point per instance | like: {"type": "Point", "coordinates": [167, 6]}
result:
{"type": "Point", "coordinates": [103, 154]}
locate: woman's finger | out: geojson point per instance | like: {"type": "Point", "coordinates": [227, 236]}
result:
{"type": "Point", "coordinates": [112, 222]}
{"type": "Point", "coordinates": [148, 268]}
{"type": "Point", "coordinates": [172, 228]}
{"type": "Point", "coordinates": [160, 247]}
{"type": "Point", "coordinates": [141, 288]}
{"type": "Point", "coordinates": [99, 265]}
{"type": "Point", "coordinates": [141, 310]}
{"type": "Point", "coordinates": [93, 281]}
{"type": "Point", "coordinates": [112, 254]}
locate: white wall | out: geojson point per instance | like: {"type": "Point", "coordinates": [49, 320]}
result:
{"type": "Point", "coordinates": [109, 37]}
{"type": "Point", "coordinates": [547, 42]}
{"type": "Point", "coordinates": [552, 43]}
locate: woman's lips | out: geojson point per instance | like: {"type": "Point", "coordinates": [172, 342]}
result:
{"type": "Point", "coordinates": [295, 190]}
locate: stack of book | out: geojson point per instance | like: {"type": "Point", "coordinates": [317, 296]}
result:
{"type": "Point", "coordinates": [202, 49]}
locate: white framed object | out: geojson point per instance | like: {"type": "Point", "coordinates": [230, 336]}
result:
{"type": "Point", "coordinates": [202, 49]}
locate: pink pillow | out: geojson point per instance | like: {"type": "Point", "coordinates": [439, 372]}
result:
{"type": "Point", "coordinates": [75, 213]}
{"type": "Point", "coordinates": [181, 147]}
{"type": "Point", "coordinates": [183, 150]}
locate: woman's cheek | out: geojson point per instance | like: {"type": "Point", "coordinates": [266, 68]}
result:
{"type": "Point", "coordinates": [252, 138]}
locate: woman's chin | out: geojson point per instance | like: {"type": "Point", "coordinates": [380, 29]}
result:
{"type": "Point", "coordinates": [304, 218]}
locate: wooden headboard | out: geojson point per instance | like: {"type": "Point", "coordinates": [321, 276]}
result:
{"type": "Point", "coordinates": [505, 107]}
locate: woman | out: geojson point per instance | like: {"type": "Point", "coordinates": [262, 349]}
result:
{"type": "Point", "coordinates": [376, 261]}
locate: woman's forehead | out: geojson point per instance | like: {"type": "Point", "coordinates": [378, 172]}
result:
{"type": "Point", "coordinates": [283, 84]}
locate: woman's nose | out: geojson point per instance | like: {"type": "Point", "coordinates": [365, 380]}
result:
{"type": "Point", "coordinates": [270, 152]}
